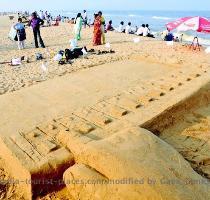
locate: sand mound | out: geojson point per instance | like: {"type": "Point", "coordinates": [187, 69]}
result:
{"type": "Point", "coordinates": [150, 169]}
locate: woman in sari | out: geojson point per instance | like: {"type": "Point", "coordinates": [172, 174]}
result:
{"type": "Point", "coordinates": [97, 30]}
{"type": "Point", "coordinates": [78, 27]}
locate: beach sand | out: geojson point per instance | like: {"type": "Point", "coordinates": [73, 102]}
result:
{"type": "Point", "coordinates": [108, 97]}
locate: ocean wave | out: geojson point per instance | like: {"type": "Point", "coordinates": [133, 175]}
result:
{"type": "Point", "coordinates": [132, 15]}
{"type": "Point", "coordinates": [162, 18]}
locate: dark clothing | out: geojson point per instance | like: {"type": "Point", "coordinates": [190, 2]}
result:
{"type": "Point", "coordinates": [37, 36]}
{"type": "Point", "coordinates": [21, 35]}
{"type": "Point", "coordinates": [169, 37]}
{"type": "Point", "coordinates": [35, 24]}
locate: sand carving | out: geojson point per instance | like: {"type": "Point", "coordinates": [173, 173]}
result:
{"type": "Point", "coordinates": [132, 153]}
{"type": "Point", "coordinates": [98, 142]}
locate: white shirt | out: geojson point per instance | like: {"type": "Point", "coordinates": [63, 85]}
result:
{"type": "Point", "coordinates": [84, 16]}
{"type": "Point", "coordinates": [145, 31]}
{"type": "Point", "coordinates": [128, 29]}
{"type": "Point", "coordinates": [140, 31]}
{"type": "Point", "coordinates": [120, 28]}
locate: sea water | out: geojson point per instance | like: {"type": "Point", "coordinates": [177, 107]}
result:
{"type": "Point", "coordinates": [156, 19]}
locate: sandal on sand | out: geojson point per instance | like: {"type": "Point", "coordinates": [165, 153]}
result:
{"type": "Point", "coordinates": [91, 50]}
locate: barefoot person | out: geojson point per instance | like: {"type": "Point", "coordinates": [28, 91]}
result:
{"type": "Point", "coordinates": [35, 23]}
{"type": "Point", "coordinates": [97, 30]}
{"type": "Point", "coordinates": [78, 27]}
{"type": "Point", "coordinates": [21, 34]}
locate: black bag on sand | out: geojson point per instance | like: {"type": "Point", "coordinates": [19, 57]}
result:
{"type": "Point", "coordinates": [73, 54]}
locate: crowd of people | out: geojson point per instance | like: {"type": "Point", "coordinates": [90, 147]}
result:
{"type": "Point", "coordinates": [36, 20]}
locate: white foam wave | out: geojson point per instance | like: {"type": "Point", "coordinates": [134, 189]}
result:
{"type": "Point", "coordinates": [132, 15]}
{"type": "Point", "coordinates": [161, 18]}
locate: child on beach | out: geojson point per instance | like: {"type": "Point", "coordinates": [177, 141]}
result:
{"type": "Point", "coordinates": [35, 23]}
{"type": "Point", "coordinates": [21, 34]}
{"type": "Point", "coordinates": [109, 26]}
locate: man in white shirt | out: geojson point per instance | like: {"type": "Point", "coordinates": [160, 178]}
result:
{"type": "Point", "coordinates": [128, 29]}
{"type": "Point", "coordinates": [85, 18]}
{"type": "Point", "coordinates": [145, 31]}
{"type": "Point", "coordinates": [121, 28]}
{"type": "Point", "coordinates": [141, 30]}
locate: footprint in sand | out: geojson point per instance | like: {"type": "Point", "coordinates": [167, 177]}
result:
{"type": "Point", "coordinates": [152, 99]}
{"type": "Point", "coordinates": [162, 94]}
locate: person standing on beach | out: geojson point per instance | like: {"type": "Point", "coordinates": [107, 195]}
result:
{"type": "Point", "coordinates": [35, 23]}
{"type": "Point", "coordinates": [78, 26]}
{"type": "Point", "coordinates": [102, 27]}
{"type": "Point", "coordinates": [85, 19]}
{"type": "Point", "coordinates": [21, 34]}
{"type": "Point", "coordinates": [97, 30]}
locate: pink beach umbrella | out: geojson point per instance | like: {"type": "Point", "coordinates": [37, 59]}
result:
{"type": "Point", "coordinates": [199, 24]}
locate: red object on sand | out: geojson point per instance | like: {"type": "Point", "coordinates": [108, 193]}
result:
{"type": "Point", "coordinates": [199, 24]}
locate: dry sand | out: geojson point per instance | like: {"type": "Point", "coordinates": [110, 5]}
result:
{"type": "Point", "coordinates": [90, 98]}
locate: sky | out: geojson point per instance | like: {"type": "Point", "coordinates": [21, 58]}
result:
{"type": "Point", "coordinates": [31, 5]}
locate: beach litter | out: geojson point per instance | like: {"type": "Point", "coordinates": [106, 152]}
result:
{"type": "Point", "coordinates": [39, 56]}
{"type": "Point", "coordinates": [58, 57]}
{"type": "Point", "coordinates": [16, 61]}
{"type": "Point", "coordinates": [136, 40]}
{"type": "Point", "coordinates": [108, 45]}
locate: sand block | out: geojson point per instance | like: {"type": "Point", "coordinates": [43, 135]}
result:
{"type": "Point", "coordinates": [41, 158]}
{"type": "Point", "coordinates": [127, 154]}
{"type": "Point", "coordinates": [77, 124]}
{"type": "Point", "coordinates": [51, 129]}
{"type": "Point", "coordinates": [125, 101]}
{"type": "Point", "coordinates": [91, 115]}
{"type": "Point", "coordinates": [109, 109]}
{"type": "Point", "coordinates": [64, 136]}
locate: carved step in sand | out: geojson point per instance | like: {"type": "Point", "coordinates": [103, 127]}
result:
{"type": "Point", "coordinates": [78, 124]}
{"type": "Point", "coordinates": [91, 115]}
{"type": "Point", "coordinates": [125, 101]}
{"type": "Point", "coordinates": [111, 110]}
